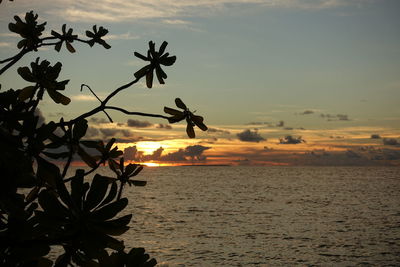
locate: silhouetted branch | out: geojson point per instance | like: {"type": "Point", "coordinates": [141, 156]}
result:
{"type": "Point", "coordinates": [137, 113]}
{"type": "Point", "coordinates": [116, 91]}
{"type": "Point", "coordinates": [12, 60]}
{"type": "Point", "coordinates": [103, 107]}
{"type": "Point", "coordinates": [108, 116]}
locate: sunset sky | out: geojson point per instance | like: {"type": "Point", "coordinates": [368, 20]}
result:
{"type": "Point", "coordinates": [290, 82]}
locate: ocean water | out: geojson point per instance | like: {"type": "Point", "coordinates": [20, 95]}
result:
{"type": "Point", "coordinates": [267, 216]}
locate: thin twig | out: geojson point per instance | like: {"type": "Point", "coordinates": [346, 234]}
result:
{"type": "Point", "coordinates": [14, 60]}
{"type": "Point", "coordinates": [136, 113]}
{"type": "Point", "coordinates": [108, 116]}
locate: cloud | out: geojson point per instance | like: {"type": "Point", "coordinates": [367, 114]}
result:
{"type": "Point", "coordinates": [249, 136]}
{"type": "Point", "coordinates": [307, 112]}
{"type": "Point", "coordinates": [138, 124]}
{"type": "Point", "coordinates": [269, 124]}
{"type": "Point", "coordinates": [130, 153]}
{"type": "Point", "coordinates": [176, 22]}
{"type": "Point", "coordinates": [163, 126]}
{"type": "Point", "coordinates": [156, 155]}
{"type": "Point", "coordinates": [219, 131]}
{"type": "Point", "coordinates": [192, 153]}
{"type": "Point", "coordinates": [290, 140]}
{"type": "Point", "coordinates": [6, 44]}
{"type": "Point", "coordinates": [342, 117]}
{"type": "Point", "coordinates": [390, 142]}
{"type": "Point", "coordinates": [121, 36]}
{"type": "Point", "coordinates": [337, 117]}
{"type": "Point", "coordinates": [168, 10]}
{"type": "Point", "coordinates": [96, 120]}
{"type": "Point", "coordinates": [83, 98]}
{"type": "Point", "coordinates": [280, 124]}
{"type": "Point", "coordinates": [375, 136]}
{"type": "Point", "coordinates": [91, 132]}
{"type": "Point", "coordinates": [111, 132]}
{"type": "Point", "coordinates": [195, 152]}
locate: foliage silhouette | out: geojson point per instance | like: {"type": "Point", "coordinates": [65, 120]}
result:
{"type": "Point", "coordinates": [37, 209]}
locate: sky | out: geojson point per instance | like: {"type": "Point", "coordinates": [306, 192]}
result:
{"type": "Point", "coordinates": [290, 82]}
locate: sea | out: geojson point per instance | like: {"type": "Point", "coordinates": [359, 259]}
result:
{"type": "Point", "coordinates": [267, 216]}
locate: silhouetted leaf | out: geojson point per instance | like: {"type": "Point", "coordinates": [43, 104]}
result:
{"type": "Point", "coordinates": [70, 47]}
{"type": "Point", "coordinates": [190, 131]}
{"type": "Point", "coordinates": [51, 205]}
{"type": "Point", "coordinates": [91, 144]}
{"type": "Point", "coordinates": [89, 160]}
{"type": "Point", "coordinates": [26, 93]}
{"type": "Point", "coordinates": [48, 172]}
{"type": "Point", "coordinates": [61, 155]}
{"type": "Point", "coordinates": [111, 194]}
{"type": "Point", "coordinates": [136, 172]}
{"type": "Point", "coordinates": [57, 47]}
{"type": "Point", "coordinates": [198, 120]}
{"type": "Point", "coordinates": [142, 72]}
{"type": "Point", "coordinates": [109, 211]}
{"type": "Point", "coordinates": [77, 188]}
{"type": "Point", "coordinates": [26, 74]}
{"type": "Point", "coordinates": [172, 111]}
{"type": "Point", "coordinates": [58, 97]}
{"type": "Point", "coordinates": [179, 103]}
{"type": "Point", "coordinates": [79, 129]}
{"type": "Point", "coordinates": [96, 192]}
{"type": "Point", "coordinates": [149, 79]}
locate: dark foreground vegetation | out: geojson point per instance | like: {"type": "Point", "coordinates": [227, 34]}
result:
{"type": "Point", "coordinates": [42, 204]}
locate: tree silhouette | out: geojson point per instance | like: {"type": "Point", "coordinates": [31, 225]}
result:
{"type": "Point", "coordinates": [37, 209]}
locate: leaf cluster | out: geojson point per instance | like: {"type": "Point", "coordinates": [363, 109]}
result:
{"type": "Point", "coordinates": [41, 203]}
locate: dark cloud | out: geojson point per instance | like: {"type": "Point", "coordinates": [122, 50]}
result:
{"type": "Point", "coordinates": [138, 124]}
{"type": "Point", "coordinates": [288, 128]}
{"type": "Point", "coordinates": [291, 140]}
{"type": "Point", "coordinates": [131, 153]}
{"type": "Point", "coordinates": [337, 117]}
{"type": "Point", "coordinates": [268, 148]}
{"type": "Point", "coordinates": [249, 136]}
{"type": "Point", "coordinates": [257, 123]}
{"type": "Point", "coordinates": [164, 126]}
{"type": "Point", "coordinates": [220, 131]}
{"type": "Point", "coordinates": [175, 156]}
{"type": "Point", "coordinates": [96, 120]}
{"type": "Point", "coordinates": [390, 142]}
{"type": "Point", "coordinates": [196, 152]}
{"type": "Point", "coordinates": [342, 117]}
{"type": "Point", "coordinates": [336, 137]}
{"type": "Point", "coordinates": [280, 124]}
{"type": "Point", "coordinates": [375, 136]}
{"type": "Point", "coordinates": [91, 132]}
{"type": "Point", "coordinates": [111, 132]}
{"type": "Point", "coordinates": [156, 155]}
{"type": "Point", "coordinates": [306, 112]}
